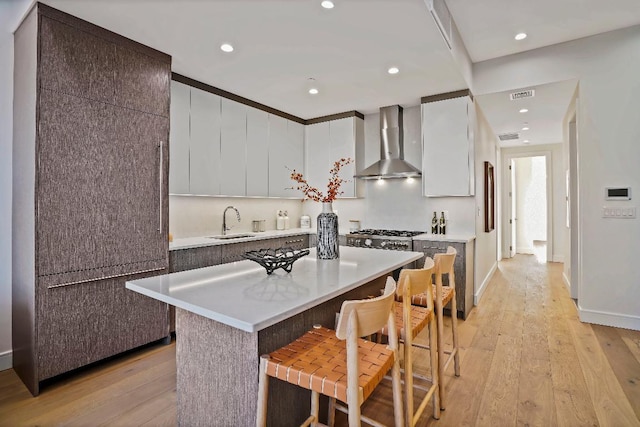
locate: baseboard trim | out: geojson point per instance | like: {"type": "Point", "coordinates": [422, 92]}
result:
{"type": "Point", "coordinates": [6, 360]}
{"type": "Point", "coordinates": [558, 258]}
{"type": "Point", "coordinates": [609, 319]}
{"type": "Point", "coordinates": [485, 282]}
{"type": "Point", "coordinates": [566, 281]}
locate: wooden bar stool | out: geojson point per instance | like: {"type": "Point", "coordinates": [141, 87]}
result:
{"type": "Point", "coordinates": [410, 283]}
{"type": "Point", "coordinates": [338, 363]}
{"type": "Point", "coordinates": [443, 295]}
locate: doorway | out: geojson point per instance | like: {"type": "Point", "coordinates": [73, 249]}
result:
{"type": "Point", "coordinates": [528, 224]}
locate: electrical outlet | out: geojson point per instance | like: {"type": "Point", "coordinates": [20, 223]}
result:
{"type": "Point", "coordinates": [446, 215]}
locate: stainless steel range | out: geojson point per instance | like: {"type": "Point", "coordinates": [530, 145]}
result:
{"type": "Point", "coordinates": [396, 240]}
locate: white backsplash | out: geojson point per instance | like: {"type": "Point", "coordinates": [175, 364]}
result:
{"type": "Point", "coordinates": [192, 216]}
{"type": "Point", "coordinates": [399, 204]}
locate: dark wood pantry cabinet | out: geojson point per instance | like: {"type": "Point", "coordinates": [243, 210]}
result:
{"type": "Point", "coordinates": [90, 193]}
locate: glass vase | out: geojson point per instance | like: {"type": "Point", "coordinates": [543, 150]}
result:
{"type": "Point", "coordinates": [327, 229]}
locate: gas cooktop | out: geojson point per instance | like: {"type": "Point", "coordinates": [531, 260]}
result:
{"type": "Point", "coordinates": [386, 233]}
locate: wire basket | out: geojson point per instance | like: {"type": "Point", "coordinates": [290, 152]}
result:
{"type": "Point", "coordinates": [273, 259]}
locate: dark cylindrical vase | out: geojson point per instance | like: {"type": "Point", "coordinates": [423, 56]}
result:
{"type": "Point", "coordinates": [327, 244]}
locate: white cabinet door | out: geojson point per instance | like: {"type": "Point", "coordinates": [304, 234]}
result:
{"type": "Point", "coordinates": [179, 139]}
{"type": "Point", "coordinates": [447, 161]}
{"type": "Point", "coordinates": [286, 153]}
{"type": "Point", "coordinates": [257, 152]}
{"type": "Point", "coordinates": [317, 152]}
{"type": "Point", "coordinates": [328, 142]}
{"type": "Point", "coordinates": [204, 157]}
{"type": "Point", "coordinates": [233, 148]}
{"type": "Point", "coordinates": [343, 146]}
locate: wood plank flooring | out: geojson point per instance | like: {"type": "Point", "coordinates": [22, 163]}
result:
{"type": "Point", "coordinates": [526, 360]}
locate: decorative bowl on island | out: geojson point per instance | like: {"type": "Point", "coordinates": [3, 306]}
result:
{"type": "Point", "coordinates": [273, 259]}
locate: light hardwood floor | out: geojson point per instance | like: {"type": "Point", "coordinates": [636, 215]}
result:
{"type": "Point", "coordinates": [526, 360]}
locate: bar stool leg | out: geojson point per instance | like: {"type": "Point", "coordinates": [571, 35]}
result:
{"type": "Point", "coordinates": [315, 406]}
{"type": "Point", "coordinates": [263, 393]}
{"type": "Point", "coordinates": [441, 355]}
{"type": "Point", "coordinates": [454, 329]}
{"type": "Point", "coordinates": [331, 417]}
{"type": "Point", "coordinates": [433, 338]}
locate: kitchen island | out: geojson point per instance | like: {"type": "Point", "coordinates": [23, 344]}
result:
{"type": "Point", "coordinates": [230, 314]}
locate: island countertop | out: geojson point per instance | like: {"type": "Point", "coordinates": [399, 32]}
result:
{"type": "Point", "coordinates": [242, 295]}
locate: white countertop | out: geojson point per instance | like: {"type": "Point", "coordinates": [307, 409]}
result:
{"type": "Point", "coordinates": [242, 295]}
{"type": "Point", "coordinates": [195, 242]}
{"type": "Point", "coordinates": [459, 238]}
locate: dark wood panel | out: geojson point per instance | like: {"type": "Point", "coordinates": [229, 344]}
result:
{"type": "Point", "coordinates": [75, 62]}
{"type": "Point", "coordinates": [78, 325]}
{"type": "Point", "coordinates": [142, 82]}
{"type": "Point", "coordinates": [448, 95]}
{"type": "Point", "coordinates": [191, 258]}
{"type": "Point", "coordinates": [98, 188]}
{"type": "Point", "coordinates": [95, 30]}
{"type": "Point", "coordinates": [233, 252]}
{"type": "Point", "coordinates": [464, 295]}
{"type": "Point", "coordinates": [337, 116]}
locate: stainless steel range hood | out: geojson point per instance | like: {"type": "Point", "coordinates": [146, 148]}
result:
{"type": "Point", "coordinates": [391, 163]}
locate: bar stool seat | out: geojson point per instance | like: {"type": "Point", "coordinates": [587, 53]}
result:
{"type": "Point", "coordinates": [338, 363]}
{"type": "Point", "coordinates": [317, 361]}
{"type": "Point", "coordinates": [447, 294]}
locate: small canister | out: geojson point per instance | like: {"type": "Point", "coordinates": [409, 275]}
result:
{"type": "Point", "coordinates": [255, 225]}
{"type": "Point", "coordinates": [305, 221]}
{"type": "Point", "coordinates": [354, 225]}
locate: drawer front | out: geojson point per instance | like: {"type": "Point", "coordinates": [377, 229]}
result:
{"type": "Point", "coordinates": [189, 259]}
{"type": "Point", "coordinates": [295, 242]}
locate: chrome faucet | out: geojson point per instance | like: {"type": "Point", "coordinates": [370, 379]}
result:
{"type": "Point", "coordinates": [224, 219]}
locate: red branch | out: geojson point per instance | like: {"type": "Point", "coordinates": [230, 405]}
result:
{"type": "Point", "coordinates": [333, 188]}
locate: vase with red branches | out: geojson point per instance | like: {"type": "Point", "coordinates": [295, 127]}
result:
{"type": "Point", "coordinates": [327, 222]}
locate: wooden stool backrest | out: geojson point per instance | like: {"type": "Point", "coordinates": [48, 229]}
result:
{"type": "Point", "coordinates": [416, 281]}
{"type": "Point", "coordinates": [444, 264]}
{"type": "Point", "coordinates": [370, 315]}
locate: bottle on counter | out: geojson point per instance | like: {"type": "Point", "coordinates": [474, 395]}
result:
{"type": "Point", "coordinates": [305, 221]}
{"type": "Point", "coordinates": [286, 220]}
{"type": "Point", "coordinates": [443, 224]}
{"type": "Point", "coordinates": [280, 221]}
{"type": "Point", "coordinates": [434, 223]}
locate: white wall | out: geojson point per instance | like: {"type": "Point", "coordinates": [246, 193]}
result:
{"type": "Point", "coordinates": [486, 254]}
{"type": "Point", "coordinates": [607, 66]}
{"type": "Point", "coordinates": [10, 14]}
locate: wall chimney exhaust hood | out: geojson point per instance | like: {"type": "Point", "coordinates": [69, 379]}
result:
{"type": "Point", "coordinates": [391, 163]}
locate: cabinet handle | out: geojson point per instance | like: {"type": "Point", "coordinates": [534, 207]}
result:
{"type": "Point", "coordinates": [293, 241]}
{"type": "Point", "coordinates": [160, 188]}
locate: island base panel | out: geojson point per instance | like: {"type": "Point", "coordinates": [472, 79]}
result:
{"type": "Point", "coordinates": [218, 366]}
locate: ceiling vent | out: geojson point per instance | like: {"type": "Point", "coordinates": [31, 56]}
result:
{"type": "Point", "coordinates": [442, 16]}
{"type": "Point", "coordinates": [509, 136]}
{"type": "Point", "coordinates": [522, 94]}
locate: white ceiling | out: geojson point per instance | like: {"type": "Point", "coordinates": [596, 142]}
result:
{"type": "Point", "coordinates": [281, 43]}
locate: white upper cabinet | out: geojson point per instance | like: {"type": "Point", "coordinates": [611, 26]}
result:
{"type": "Point", "coordinates": [447, 138]}
{"type": "Point", "coordinates": [329, 141]}
{"type": "Point", "coordinates": [204, 155]}
{"type": "Point", "coordinates": [257, 152]}
{"type": "Point", "coordinates": [233, 148]}
{"type": "Point", "coordinates": [286, 153]}
{"type": "Point", "coordinates": [179, 138]}
{"type": "Point", "coordinates": [221, 147]}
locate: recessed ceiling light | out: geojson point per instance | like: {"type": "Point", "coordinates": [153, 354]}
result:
{"type": "Point", "coordinates": [226, 47]}
{"type": "Point", "coordinates": [523, 110]}
{"type": "Point", "coordinates": [393, 70]}
{"type": "Point", "coordinates": [526, 141]}
{"type": "Point", "coordinates": [327, 4]}
{"type": "Point", "coordinates": [521, 36]}
{"type": "Point", "coordinates": [313, 91]}
{"type": "Point", "coordinates": [525, 128]}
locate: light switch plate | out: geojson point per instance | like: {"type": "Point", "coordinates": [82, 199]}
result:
{"type": "Point", "coordinates": [619, 212]}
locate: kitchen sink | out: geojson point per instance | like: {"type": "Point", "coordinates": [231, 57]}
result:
{"type": "Point", "coordinates": [230, 236]}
